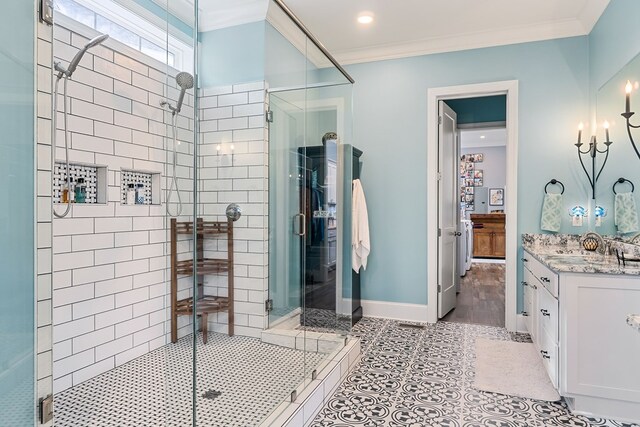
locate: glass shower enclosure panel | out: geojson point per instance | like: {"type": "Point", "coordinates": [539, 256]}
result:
{"type": "Point", "coordinates": [287, 192]}
{"type": "Point", "coordinates": [17, 326]}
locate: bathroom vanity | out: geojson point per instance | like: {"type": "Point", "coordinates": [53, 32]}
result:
{"type": "Point", "coordinates": [576, 308]}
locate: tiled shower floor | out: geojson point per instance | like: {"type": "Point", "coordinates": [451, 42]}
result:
{"type": "Point", "coordinates": [156, 389]}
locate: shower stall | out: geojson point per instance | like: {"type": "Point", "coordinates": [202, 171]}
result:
{"type": "Point", "coordinates": [193, 216]}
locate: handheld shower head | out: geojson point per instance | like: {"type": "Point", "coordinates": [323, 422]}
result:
{"type": "Point", "coordinates": [76, 59]}
{"type": "Point", "coordinates": [185, 81]}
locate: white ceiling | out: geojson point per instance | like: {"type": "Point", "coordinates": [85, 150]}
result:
{"type": "Point", "coordinates": [471, 138]}
{"type": "Point", "coordinates": [403, 28]}
{"type": "Point", "coordinates": [415, 27]}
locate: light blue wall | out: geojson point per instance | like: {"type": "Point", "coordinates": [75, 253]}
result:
{"type": "Point", "coordinates": [232, 55]}
{"type": "Point", "coordinates": [614, 40]}
{"type": "Point", "coordinates": [390, 110]}
{"type": "Point", "coordinates": [17, 146]}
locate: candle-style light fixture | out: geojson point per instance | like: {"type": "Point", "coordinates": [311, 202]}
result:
{"type": "Point", "coordinates": [593, 151]}
{"type": "Point", "coordinates": [628, 114]}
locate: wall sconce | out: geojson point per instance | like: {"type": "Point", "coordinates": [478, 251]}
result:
{"type": "Point", "coordinates": [628, 114]}
{"type": "Point", "coordinates": [593, 151]}
{"type": "Point", "coordinates": [232, 147]}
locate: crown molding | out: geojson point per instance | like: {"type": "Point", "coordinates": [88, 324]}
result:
{"type": "Point", "coordinates": [233, 13]}
{"type": "Point", "coordinates": [591, 13]}
{"type": "Point", "coordinates": [285, 26]}
{"type": "Point", "coordinates": [453, 43]}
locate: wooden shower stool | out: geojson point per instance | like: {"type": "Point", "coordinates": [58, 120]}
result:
{"type": "Point", "coordinates": [204, 304]}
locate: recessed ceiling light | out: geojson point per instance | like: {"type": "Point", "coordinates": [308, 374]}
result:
{"type": "Point", "coordinates": [482, 137]}
{"type": "Point", "coordinates": [365, 18]}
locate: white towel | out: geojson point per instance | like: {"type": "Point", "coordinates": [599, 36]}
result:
{"type": "Point", "coordinates": [360, 244]}
{"type": "Point", "coordinates": [625, 213]}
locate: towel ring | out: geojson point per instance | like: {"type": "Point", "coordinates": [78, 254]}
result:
{"type": "Point", "coordinates": [554, 182]}
{"type": "Point", "coordinates": [622, 181]}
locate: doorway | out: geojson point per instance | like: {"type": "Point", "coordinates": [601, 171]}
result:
{"type": "Point", "coordinates": [486, 293]}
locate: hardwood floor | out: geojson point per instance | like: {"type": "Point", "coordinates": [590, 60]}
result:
{"type": "Point", "coordinates": [481, 297]}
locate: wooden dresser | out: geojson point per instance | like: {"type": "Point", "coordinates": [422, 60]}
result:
{"type": "Point", "coordinates": [488, 235]}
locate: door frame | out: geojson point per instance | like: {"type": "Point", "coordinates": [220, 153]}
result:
{"type": "Point", "coordinates": [509, 88]}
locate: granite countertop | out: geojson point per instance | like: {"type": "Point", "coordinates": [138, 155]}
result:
{"type": "Point", "coordinates": [563, 253]}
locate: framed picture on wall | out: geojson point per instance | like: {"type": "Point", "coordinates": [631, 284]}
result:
{"type": "Point", "coordinates": [478, 173]}
{"type": "Point", "coordinates": [496, 197]}
{"type": "Point", "coordinates": [478, 182]}
{"type": "Point", "coordinates": [469, 182]}
{"type": "Point", "coordinates": [469, 190]}
{"type": "Point", "coordinates": [469, 166]}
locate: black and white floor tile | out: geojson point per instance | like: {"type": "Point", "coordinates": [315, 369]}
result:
{"type": "Point", "coordinates": [239, 381]}
{"type": "Point", "coordinates": [423, 377]}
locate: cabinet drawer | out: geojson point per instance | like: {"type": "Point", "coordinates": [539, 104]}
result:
{"type": "Point", "coordinates": [549, 354]}
{"type": "Point", "coordinates": [547, 278]}
{"type": "Point", "coordinates": [547, 315]}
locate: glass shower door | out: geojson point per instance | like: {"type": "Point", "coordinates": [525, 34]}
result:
{"type": "Point", "coordinates": [287, 194]}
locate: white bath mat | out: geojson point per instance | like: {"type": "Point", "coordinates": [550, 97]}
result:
{"type": "Point", "coordinates": [512, 368]}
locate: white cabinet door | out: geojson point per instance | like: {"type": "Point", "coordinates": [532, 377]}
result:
{"type": "Point", "coordinates": [600, 353]}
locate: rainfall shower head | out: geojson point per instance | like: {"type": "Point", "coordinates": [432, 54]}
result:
{"type": "Point", "coordinates": [185, 81]}
{"type": "Point", "coordinates": [76, 59]}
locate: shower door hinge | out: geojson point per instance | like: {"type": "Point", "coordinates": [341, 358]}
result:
{"type": "Point", "coordinates": [45, 409]}
{"type": "Point", "coordinates": [439, 120]}
{"type": "Point", "coordinates": [46, 11]}
{"type": "Point", "coordinates": [268, 305]}
{"type": "Point", "coordinates": [439, 288]}
{"type": "Point", "coordinates": [269, 116]}
{"type": "Point", "coordinates": [439, 232]}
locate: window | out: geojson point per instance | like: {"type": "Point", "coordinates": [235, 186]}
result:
{"type": "Point", "coordinates": [133, 30]}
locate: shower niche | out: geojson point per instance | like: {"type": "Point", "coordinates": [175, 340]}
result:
{"type": "Point", "coordinates": [92, 177]}
{"type": "Point", "coordinates": [139, 187]}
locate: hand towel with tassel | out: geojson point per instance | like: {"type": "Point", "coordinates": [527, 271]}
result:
{"type": "Point", "coordinates": [551, 218]}
{"type": "Point", "coordinates": [626, 213]}
{"type": "Point", "coordinates": [360, 244]}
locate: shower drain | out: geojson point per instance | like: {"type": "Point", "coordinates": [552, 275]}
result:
{"type": "Point", "coordinates": [211, 394]}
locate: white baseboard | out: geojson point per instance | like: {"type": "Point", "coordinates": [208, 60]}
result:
{"type": "Point", "coordinates": [395, 310]}
{"type": "Point", "coordinates": [521, 325]}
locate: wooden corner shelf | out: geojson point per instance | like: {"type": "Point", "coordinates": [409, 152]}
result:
{"type": "Point", "coordinates": [204, 304]}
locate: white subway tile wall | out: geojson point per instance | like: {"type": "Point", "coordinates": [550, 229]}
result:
{"type": "Point", "coordinates": [110, 291]}
{"type": "Point", "coordinates": [233, 159]}
{"type": "Point", "coordinates": [111, 262]}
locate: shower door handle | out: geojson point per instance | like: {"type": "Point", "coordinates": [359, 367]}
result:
{"type": "Point", "coordinates": [302, 227]}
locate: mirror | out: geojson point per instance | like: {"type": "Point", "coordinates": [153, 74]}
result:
{"type": "Point", "coordinates": [623, 161]}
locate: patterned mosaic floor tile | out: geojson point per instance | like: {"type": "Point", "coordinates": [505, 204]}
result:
{"type": "Point", "coordinates": [423, 377]}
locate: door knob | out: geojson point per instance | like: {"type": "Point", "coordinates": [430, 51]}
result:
{"type": "Point", "coordinates": [457, 233]}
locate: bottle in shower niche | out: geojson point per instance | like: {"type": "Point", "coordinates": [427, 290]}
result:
{"type": "Point", "coordinates": [131, 194]}
{"type": "Point", "coordinates": [67, 196]}
{"type": "Point", "coordinates": [140, 194]}
{"type": "Point", "coordinates": [81, 191]}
